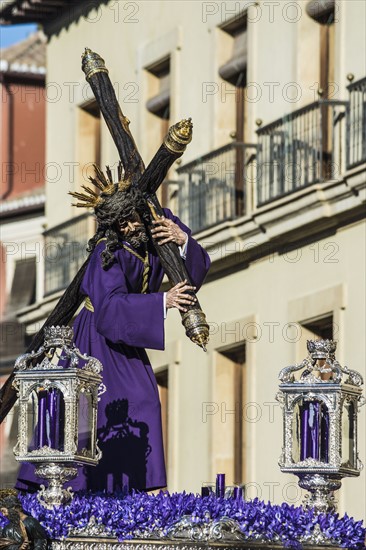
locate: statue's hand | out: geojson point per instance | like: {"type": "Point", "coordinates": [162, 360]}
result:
{"type": "Point", "coordinates": [168, 231]}
{"type": "Point", "coordinates": [177, 297]}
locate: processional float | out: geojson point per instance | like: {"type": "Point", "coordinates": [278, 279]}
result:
{"type": "Point", "coordinates": [319, 407]}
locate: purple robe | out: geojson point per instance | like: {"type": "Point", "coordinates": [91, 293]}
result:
{"type": "Point", "coordinates": [123, 323]}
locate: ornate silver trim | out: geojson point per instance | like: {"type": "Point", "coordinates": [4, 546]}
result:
{"type": "Point", "coordinates": [56, 475]}
{"type": "Point", "coordinates": [91, 529]}
{"type": "Point", "coordinates": [58, 341]}
{"type": "Point", "coordinates": [316, 536]}
{"type": "Point", "coordinates": [324, 350]}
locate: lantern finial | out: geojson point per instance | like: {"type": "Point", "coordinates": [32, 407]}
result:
{"type": "Point", "coordinates": [321, 349]}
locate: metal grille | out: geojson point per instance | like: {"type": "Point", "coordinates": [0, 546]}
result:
{"type": "Point", "coordinates": [300, 149]}
{"type": "Point", "coordinates": [356, 124]}
{"type": "Point", "coordinates": [212, 187]}
{"type": "Point", "coordinates": [65, 252]}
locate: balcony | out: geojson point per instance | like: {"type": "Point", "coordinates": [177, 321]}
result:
{"type": "Point", "coordinates": [300, 149]}
{"type": "Point", "coordinates": [317, 143]}
{"type": "Point", "coordinates": [213, 188]}
{"type": "Point", "coordinates": [65, 251]}
{"type": "Point", "coordinates": [356, 124]}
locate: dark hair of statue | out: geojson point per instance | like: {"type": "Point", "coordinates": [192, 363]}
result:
{"type": "Point", "coordinates": [121, 206]}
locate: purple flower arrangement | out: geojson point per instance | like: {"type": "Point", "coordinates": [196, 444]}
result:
{"type": "Point", "coordinates": [131, 516]}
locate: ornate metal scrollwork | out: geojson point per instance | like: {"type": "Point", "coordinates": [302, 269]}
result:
{"type": "Point", "coordinates": [57, 475]}
{"type": "Point", "coordinates": [317, 406]}
{"type": "Point", "coordinates": [91, 529]}
{"type": "Point", "coordinates": [57, 338]}
{"type": "Point", "coordinates": [50, 383]}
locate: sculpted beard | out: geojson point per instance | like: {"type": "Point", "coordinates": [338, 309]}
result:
{"type": "Point", "coordinates": [137, 237]}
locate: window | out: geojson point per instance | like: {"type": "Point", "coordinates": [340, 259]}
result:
{"type": "Point", "coordinates": [323, 14]}
{"type": "Point", "coordinates": [23, 289]}
{"type": "Point", "coordinates": [89, 147]}
{"type": "Point", "coordinates": [320, 327]}
{"type": "Point", "coordinates": [234, 72]}
{"type": "Point", "coordinates": [65, 246]}
{"type": "Point", "coordinates": [326, 85]}
{"type": "Point", "coordinates": [23, 293]}
{"type": "Point", "coordinates": [158, 104]}
{"type": "Point", "coordinates": [228, 407]}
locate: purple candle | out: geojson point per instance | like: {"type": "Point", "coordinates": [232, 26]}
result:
{"type": "Point", "coordinates": [304, 431]}
{"type": "Point", "coordinates": [324, 436]}
{"type": "Point", "coordinates": [238, 492]}
{"type": "Point", "coordinates": [205, 492]}
{"type": "Point", "coordinates": [220, 485]}
{"type": "Point", "coordinates": [51, 417]}
{"type": "Point", "coordinates": [41, 427]}
{"type": "Point", "coordinates": [58, 420]}
{"type": "Point", "coordinates": [314, 424]}
{"type": "Point", "coordinates": [310, 430]}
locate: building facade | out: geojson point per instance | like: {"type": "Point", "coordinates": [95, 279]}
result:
{"type": "Point", "coordinates": [22, 76]}
{"type": "Point", "coordinates": [273, 186]}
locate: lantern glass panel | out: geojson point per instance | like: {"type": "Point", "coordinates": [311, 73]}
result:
{"type": "Point", "coordinates": [32, 421]}
{"type": "Point", "coordinates": [48, 419]}
{"type": "Point", "coordinates": [85, 422]}
{"type": "Point", "coordinates": [314, 431]}
{"type": "Point", "coordinates": [348, 412]}
{"type": "Point", "coordinates": [296, 426]}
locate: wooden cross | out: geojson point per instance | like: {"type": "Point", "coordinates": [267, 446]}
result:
{"type": "Point", "coordinates": [149, 179]}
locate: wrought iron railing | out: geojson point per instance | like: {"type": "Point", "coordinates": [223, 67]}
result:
{"type": "Point", "coordinates": [213, 188]}
{"type": "Point", "coordinates": [356, 124]}
{"type": "Point", "coordinates": [300, 149]}
{"type": "Point", "coordinates": [65, 251]}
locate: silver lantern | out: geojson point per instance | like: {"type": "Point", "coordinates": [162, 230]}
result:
{"type": "Point", "coordinates": [57, 388]}
{"type": "Point", "coordinates": [320, 408]}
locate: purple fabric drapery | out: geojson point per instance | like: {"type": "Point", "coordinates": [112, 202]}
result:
{"type": "Point", "coordinates": [123, 323]}
{"type": "Point", "coordinates": [50, 419]}
{"type": "Point", "coordinates": [314, 431]}
{"type": "Point", "coordinates": [41, 426]}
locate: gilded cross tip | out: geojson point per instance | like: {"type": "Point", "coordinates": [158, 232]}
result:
{"type": "Point", "coordinates": [179, 136]}
{"type": "Point", "coordinates": [92, 63]}
{"type": "Point", "coordinates": [185, 127]}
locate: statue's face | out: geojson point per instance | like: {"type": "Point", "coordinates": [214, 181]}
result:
{"type": "Point", "coordinates": [129, 227]}
{"type": "Point", "coordinates": [133, 230]}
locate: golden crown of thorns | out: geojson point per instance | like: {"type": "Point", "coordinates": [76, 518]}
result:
{"type": "Point", "coordinates": [105, 184]}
